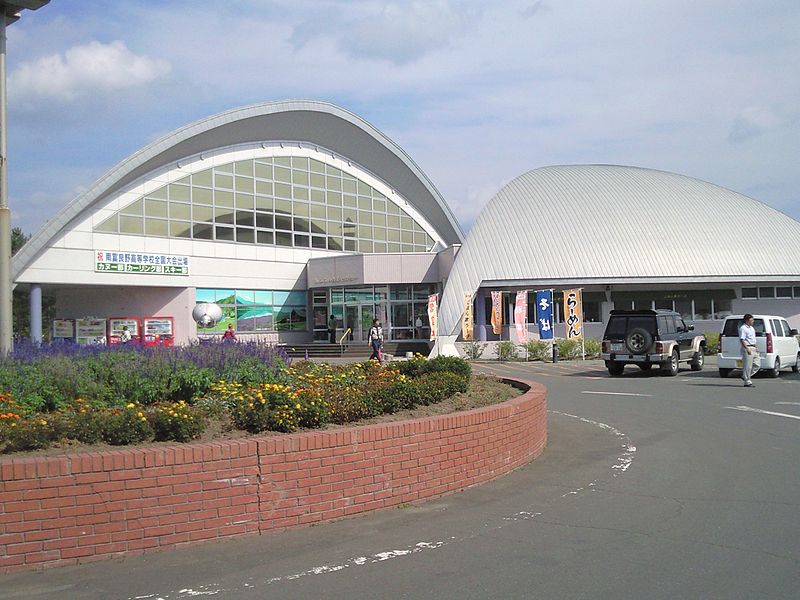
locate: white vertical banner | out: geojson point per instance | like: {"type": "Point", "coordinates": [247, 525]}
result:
{"type": "Point", "coordinates": [466, 320]}
{"type": "Point", "coordinates": [521, 316]}
{"type": "Point", "coordinates": [433, 313]}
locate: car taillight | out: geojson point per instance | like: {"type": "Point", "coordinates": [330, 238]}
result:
{"type": "Point", "coordinates": [606, 347]}
{"type": "Point", "coordinates": [769, 343]}
{"type": "Point", "coordinates": [659, 348]}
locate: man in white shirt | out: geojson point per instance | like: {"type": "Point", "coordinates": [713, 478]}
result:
{"type": "Point", "coordinates": [750, 359]}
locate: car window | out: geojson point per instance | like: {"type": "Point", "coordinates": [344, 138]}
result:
{"type": "Point", "coordinates": [616, 327]}
{"type": "Point", "coordinates": [786, 329]}
{"type": "Point", "coordinates": [680, 326]}
{"type": "Point", "coordinates": [646, 323]}
{"type": "Point", "coordinates": [777, 330]}
{"type": "Point", "coordinates": [662, 325]}
{"type": "Point", "coordinates": [731, 328]}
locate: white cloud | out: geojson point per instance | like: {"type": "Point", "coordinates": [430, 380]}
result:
{"type": "Point", "coordinates": [84, 70]}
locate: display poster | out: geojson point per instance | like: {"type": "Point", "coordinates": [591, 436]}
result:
{"type": "Point", "coordinates": [110, 261]}
{"type": "Point", "coordinates": [466, 320]}
{"type": "Point", "coordinates": [573, 314]}
{"type": "Point", "coordinates": [63, 329]}
{"type": "Point", "coordinates": [497, 312]}
{"type": "Point", "coordinates": [433, 310]}
{"type": "Point", "coordinates": [162, 326]}
{"type": "Point", "coordinates": [90, 331]}
{"type": "Point", "coordinates": [521, 316]}
{"type": "Point", "coordinates": [544, 314]}
{"type": "Point", "coordinates": [115, 326]}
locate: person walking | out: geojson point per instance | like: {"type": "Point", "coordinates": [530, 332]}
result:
{"type": "Point", "coordinates": [124, 335]}
{"type": "Point", "coordinates": [376, 341]}
{"type": "Point", "coordinates": [751, 362]}
{"type": "Point", "coordinates": [332, 329]}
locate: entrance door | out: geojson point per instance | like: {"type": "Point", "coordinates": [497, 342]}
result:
{"type": "Point", "coordinates": [352, 319]}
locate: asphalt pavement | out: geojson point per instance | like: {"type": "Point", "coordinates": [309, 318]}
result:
{"type": "Point", "coordinates": [650, 487]}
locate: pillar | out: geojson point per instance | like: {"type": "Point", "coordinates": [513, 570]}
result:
{"type": "Point", "coordinates": [480, 314]}
{"type": "Point", "coordinates": [36, 313]}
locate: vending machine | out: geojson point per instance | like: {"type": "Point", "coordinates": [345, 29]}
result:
{"type": "Point", "coordinates": [90, 330]}
{"type": "Point", "coordinates": [158, 331]}
{"type": "Point", "coordinates": [115, 325]}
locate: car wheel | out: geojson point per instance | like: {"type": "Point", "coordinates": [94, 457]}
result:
{"type": "Point", "coordinates": [776, 370]}
{"type": "Point", "coordinates": [615, 369]}
{"type": "Point", "coordinates": [645, 366]}
{"type": "Point", "coordinates": [725, 372]}
{"type": "Point", "coordinates": [671, 366]}
{"type": "Point", "coordinates": [796, 365]}
{"type": "Point", "coordinates": [638, 340]}
{"type": "Point", "coordinates": [698, 361]}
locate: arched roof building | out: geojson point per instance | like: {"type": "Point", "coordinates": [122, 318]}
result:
{"type": "Point", "coordinates": [627, 229]}
{"type": "Point", "coordinates": [238, 205]}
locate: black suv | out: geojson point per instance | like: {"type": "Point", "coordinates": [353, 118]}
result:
{"type": "Point", "coordinates": [651, 337]}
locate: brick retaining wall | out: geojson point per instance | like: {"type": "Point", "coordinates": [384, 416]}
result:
{"type": "Point", "coordinates": [68, 509]}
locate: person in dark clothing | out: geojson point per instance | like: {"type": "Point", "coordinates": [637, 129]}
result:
{"type": "Point", "coordinates": [332, 329]}
{"type": "Point", "coordinates": [376, 340]}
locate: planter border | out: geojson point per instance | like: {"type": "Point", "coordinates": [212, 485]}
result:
{"type": "Point", "coordinates": [69, 509]}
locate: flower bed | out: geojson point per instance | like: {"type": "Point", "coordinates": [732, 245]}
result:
{"type": "Point", "coordinates": [126, 395]}
{"type": "Point", "coordinates": [67, 509]}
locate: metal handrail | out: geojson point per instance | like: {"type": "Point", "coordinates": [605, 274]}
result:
{"type": "Point", "coordinates": [342, 345]}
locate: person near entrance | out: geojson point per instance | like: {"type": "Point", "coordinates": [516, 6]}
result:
{"type": "Point", "coordinates": [124, 335]}
{"type": "Point", "coordinates": [751, 361]}
{"type": "Point", "coordinates": [332, 329]}
{"type": "Point", "coordinates": [418, 327]}
{"type": "Point", "coordinates": [376, 341]}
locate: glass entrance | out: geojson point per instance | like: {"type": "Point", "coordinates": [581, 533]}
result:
{"type": "Point", "coordinates": [359, 318]}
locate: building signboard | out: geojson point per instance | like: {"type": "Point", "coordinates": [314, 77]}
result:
{"type": "Point", "coordinates": [119, 261]}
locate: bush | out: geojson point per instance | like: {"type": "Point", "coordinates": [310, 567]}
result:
{"type": "Point", "coordinates": [28, 433]}
{"type": "Point", "coordinates": [474, 350]}
{"type": "Point", "coordinates": [83, 422]}
{"type": "Point", "coordinates": [128, 425]}
{"type": "Point", "coordinates": [506, 350]}
{"type": "Point", "coordinates": [177, 421]}
{"type": "Point", "coordinates": [446, 364]}
{"type": "Point", "coordinates": [568, 349]}
{"type": "Point", "coordinates": [592, 347]}
{"type": "Point", "coordinates": [712, 342]}
{"type": "Point", "coordinates": [539, 350]}
{"type": "Point", "coordinates": [265, 407]}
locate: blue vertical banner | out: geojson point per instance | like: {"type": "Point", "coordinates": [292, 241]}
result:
{"type": "Point", "coordinates": [544, 314]}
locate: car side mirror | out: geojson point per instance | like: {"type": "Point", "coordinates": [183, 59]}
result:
{"type": "Point", "coordinates": [793, 332]}
{"type": "Point", "coordinates": [691, 327]}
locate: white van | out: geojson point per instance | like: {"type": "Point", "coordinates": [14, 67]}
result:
{"type": "Point", "coordinates": [777, 345]}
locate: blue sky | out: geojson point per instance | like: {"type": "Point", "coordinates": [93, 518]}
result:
{"type": "Point", "coordinates": [477, 93]}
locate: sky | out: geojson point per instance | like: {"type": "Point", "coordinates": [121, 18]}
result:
{"type": "Point", "coordinates": [476, 92]}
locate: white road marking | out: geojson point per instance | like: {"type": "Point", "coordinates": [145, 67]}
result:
{"type": "Point", "coordinates": [624, 461]}
{"type": "Point", "coordinates": [789, 403]}
{"type": "Point", "coordinates": [763, 412]}
{"type": "Point", "coordinates": [618, 394]}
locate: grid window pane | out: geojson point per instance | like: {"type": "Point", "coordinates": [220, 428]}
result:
{"type": "Point", "coordinates": [203, 231]}
{"type": "Point", "coordinates": [283, 239]}
{"type": "Point", "coordinates": [155, 208]}
{"type": "Point", "coordinates": [180, 211]}
{"type": "Point", "coordinates": [264, 203]}
{"type": "Point", "coordinates": [244, 167]}
{"type": "Point", "coordinates": [244, 218]}
{"type": "Point", "coordinates": [223, 181]}
{"type": "Point", "coordinates": [202, 196]}
{"type": "Point", "coordinates": [222, 198]}
{"type": "Point", "coordinates": [224, 234]}
{"type": "Point", "coordinates": [245, 235]}
{"type": "Point", "coordinates": [181, 229]}
{"type": "Point", "coordinates": [263, 171]}
{"type": "Point", "coordinates": [264, 221]}
{"type": "Point", "coordinates": [203, 178]}
{"type": "Point", "coordinates": [110, 225]}
{"type": "Point", "coordinates": [133, 225]}
{"type": "Point", "coordinates": [266, 237]}
{"type": "Point", "coordinates": [134, 208]}
{"type": "Point", "coordinates": [223, 215]}
{"type": "Point", "coordinates": [244, 184]}
{"type": "Point", "coordinates": [156, 227]}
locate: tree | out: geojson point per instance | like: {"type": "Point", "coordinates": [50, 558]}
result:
{"type": "Point", "coordinates": [21, 298]}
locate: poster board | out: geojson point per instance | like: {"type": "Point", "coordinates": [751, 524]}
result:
{"type": "Point", "coordinates": [115, 325]}
{"type": "Point", "coordinates": [159, 331]}
{"type": "Point", "coordinates": [64, 330]}
{"type": "Point", "coordinates": [90, 330]}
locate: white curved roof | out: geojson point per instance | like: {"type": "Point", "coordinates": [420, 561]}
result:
{"type": "Point", "coordinates": [308, 121]}
{"type": "Point", "coordinates": [603, 223]}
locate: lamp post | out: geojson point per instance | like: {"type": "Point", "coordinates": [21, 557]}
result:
{"type": "Point", "coordinates": [10, 12]}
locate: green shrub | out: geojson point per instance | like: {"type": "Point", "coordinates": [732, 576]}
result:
{"type": "Point", "coordinates": [266, 407]}
{"type": "Point", "coordinates": [592, 347]}
{"type": "Point", "coordinates": [474, 350]}
{"type": "Point", "coordinates": [539, 350]}
{"type": "Point", "coordinates": [712, 342]}
{"type": "Point", "coordinates": [446, 364]}
{"type": "Point", "coordinates": [83, 422]}
{"type": "Point", "coordinates": [568, 349]}
{"type": "Point", "coordinates": [177, 421]}
{"type": "Point", "coordinates": [34, 432]}
{"type": "Point", "coordinates": [506, 350]}
{"type": "Point", "coordinates": [128, 425]}
{"type": "Point", "coordinates": [411, 367]}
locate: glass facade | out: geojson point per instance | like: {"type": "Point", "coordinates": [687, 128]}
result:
{"type": "Point", "coordinates": [257, 310]}
{"type": "Point", "coordinates": [294, 201]}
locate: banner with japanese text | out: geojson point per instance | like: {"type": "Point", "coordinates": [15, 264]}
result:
{"type": "Point", "coordinates": [573, 314]}
{"type": "Point", "coordinates": [521, 316]}
{"type": "Point", "coordinates": [466, 320]}
{"type": "Point", "coordinates": [544, 314]}
{"type": "Point", "coordinates": [497, 312]}
{"type": "Point", "coordinates": [433, 311]}
{"type": "Point", "coordinates": [115, 261]}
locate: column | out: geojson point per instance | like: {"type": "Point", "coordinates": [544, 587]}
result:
{"type": "Point", "coordinates": [480, 314]}
{"type": "Point", "coordinates": [36, 313]}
